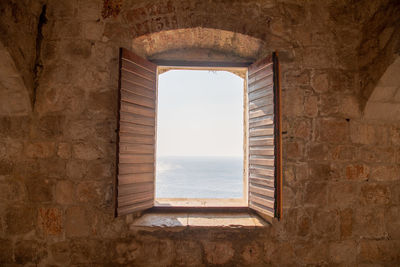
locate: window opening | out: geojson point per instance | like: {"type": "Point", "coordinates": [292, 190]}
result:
{"type": "Point", "coordinates": [200, 135]}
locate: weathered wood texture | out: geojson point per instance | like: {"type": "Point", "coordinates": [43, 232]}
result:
{"type": "Point", "coordinates": [264, 137]}
{"type": "Point", "coordinates": [136, 134]}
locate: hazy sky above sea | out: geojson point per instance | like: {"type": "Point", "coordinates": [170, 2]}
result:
{"type": "Point", "coordinates": [200, 113]}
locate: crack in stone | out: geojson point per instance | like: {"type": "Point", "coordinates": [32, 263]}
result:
{"type": "Point", "coordinates": [38, 67]}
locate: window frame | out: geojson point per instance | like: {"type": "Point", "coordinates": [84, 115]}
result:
{"type": "Point", "coordinates": [132, 191]}
{"type": "Point", "coordinates": [209, 202]}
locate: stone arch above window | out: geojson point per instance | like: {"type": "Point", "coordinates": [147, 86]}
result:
{"type": "Point", "coordinates": [199, 44]}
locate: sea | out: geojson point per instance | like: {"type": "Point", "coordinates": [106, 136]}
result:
{"type": "Point", "coordinates": [199, 177]}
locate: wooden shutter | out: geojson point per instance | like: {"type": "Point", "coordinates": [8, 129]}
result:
{"type": "Point", "coordinates": [264, 133]}
{"type": "Point", "coordinates": [136, 134]}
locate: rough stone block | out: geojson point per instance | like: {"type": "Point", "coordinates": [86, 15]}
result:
{"type": "Point", "coordinates": [12, 191]}
{"type": "Point", "coordinates": [252, 253]}
{"type": "Point", "coordinates": [320, 82]}
{"type": "Point", "coordinates": [40, 150]}
{"type": "Point", "coordinates": [342, 194]}
{"type": "Point", "coordinates": [188, 253]}
{"type": "Point", "coordinates": [302, 129]}
{"type": "Point", "coordinates": [6, 167]}
{"type": "Point", "coordinates": [20, 219]}
{"type": "Point", "coordinates": [343, 252]}
{"type": "Point", "coordinates": [376, 154]}
{"type": "Point", "coordinates": [392, 215]}
{"type": "Point", "coordinates": [81, 129]}
{"type": "Point", "coordinates": [386, 251]}
{"type": "Point", "coordinates": [311, 106]}
{"type": "Point", "coordinates": [346, 218]}
{"type": "Point", "coordinates": [65, 192]}
{"type": "Point", "coordinates": [76, 169]}
{"type": "Point", "coordinates": [78, 50]}
{"type": "Point", "coordinates": [127, 252]}
{"type": "Point", "coordinates": [311, 253]}
{"type": "Point", "coordinates": [100, 170]}
{"type": "Point", "coordinates": [39, 189]}
{"type": "Point", "coordinates": [61, 9]}
{"type": "Point", "coordinates": [375, 194]}
{"type": "Point", "coordinates": [292, 102]}
{"type": "Point", "coordinates": [93, 30]}
{"type": "Point", "coordinates": [49, 126]}
{"type": "Point", "coordinates": [332, 130]}
{"type": "Point", "coordinates": [370, 223]}
{"type": "Point", "coordinates": [91, 192]}
{"type": "Point", "coordinates": [324, 171]}
{"type": "Point", "coordinates": [29, 251]}
{"type": "Point", "coordinates": [357, 172]}
{"type": "Point", "coordinates": [85, 151]}
{"type": "Point", "coordinates": [326, 224]}
{"type": "Point", "coordinates": [343, 152]}
{"type": "Point", "coordinates": [6, 251]}
{"type": "Point", "coordinates": [60, 252]}
{"type": "Point", "coordinates": [156, 252]}
{"type": "Point", "coordinates": [293, 150]}
{"type": "Point", "coordinates": [218, 252]}
{"type": "Point", "coordinates": [77, 223]}
{"type": "Point", "coordinates": [315, 193]}
{"type": "Point", "coordinates": [50, 221]}
{"type": "Point", "coordinates": [64, 150]}
{"type": "Point", "coordinates": [385, 173]}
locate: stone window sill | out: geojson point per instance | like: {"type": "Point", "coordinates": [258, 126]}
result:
{"type": "Point", "coordinates": [182, 220]}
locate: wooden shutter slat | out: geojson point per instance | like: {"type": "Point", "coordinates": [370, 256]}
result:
{"type": "Point", "coordinates": [264, 137]}
{"type": "Point", "coordinates": [260, 65]}
{"type": "Point", "coordinates": [136, 138]}
{"type": "Point", "coordinates": [139, 69]}
{"type": "Point", "coordinates": [136, 158]}
{"type": "Point", "coordinates": [128, 200]}
{"type": "Point", "coordinates": [262, 111]}
{"type": "Point", "coordinates": [136, 128]}
{"type": "Point", "coordinates": [263, 161]}
{"type": "Point", "coordinates": [261, 121]}
{"type": "Point", "coordinates": [137, 79]}
{"type": "Point", "coordinates": [136, 207]}
{"type": "Point", "coordinates": [128, 189]}
{"type": "Point", "coordinates": [135, 178]}
{"type": "Point", "coordinates": [128, 55]}
{"type": "Point", "coordinates": [265, 191]}
{"type": "Point", "coordinates": [136, 134]}
{"type": "Point", "coordinates": [265, 141]}
{"type": "Point", "coordinates": [266, 91]}
{"type": "Point", "coordinates": [263, 151]}
{"type": "Point", "coordinates": [135, 168]}
{"type": "Point", "coordinates": [260, 75]}
{"type": "Point", "coordinates": [137, 89]}
{"type": "Point", "coordinates": [133, 98]}
{"type": "Point", "coordinates": [135, 118]}
{"type": "Point", "coordinates": [262, 171]}
{"type": "Point", "coordinates": [137, 110]}
{"type": "Point", "coordinates": [267, 202]}
{"type": "Point", "coordinates": [262, 181]}
{"type": "Point", "coordinates": [261, 102]}
{"type": "Point", "coordinates": [136, 148]}
{"type": "Point", "coordinates": [261, 131]}
{"type": "Point", "coordinates": [266, 83]}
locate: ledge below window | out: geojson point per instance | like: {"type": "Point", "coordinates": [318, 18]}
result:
{"type": "Point", "coordinates": [180, 220]}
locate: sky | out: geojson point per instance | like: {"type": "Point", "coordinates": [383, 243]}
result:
{"type": "Point", "coordinates": [200, 113]}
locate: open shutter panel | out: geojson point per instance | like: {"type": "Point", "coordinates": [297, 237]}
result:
{"type": "Point", "coordinates": [264, 137]}
{"type": "Point", "coordinates": [136, 134]}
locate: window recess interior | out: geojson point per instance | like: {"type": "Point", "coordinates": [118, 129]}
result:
{"type": "Point", "coordinates": [135, 181]}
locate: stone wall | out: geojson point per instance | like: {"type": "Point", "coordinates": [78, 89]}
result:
{"type": "Point", "coordinates": [57, 165]}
